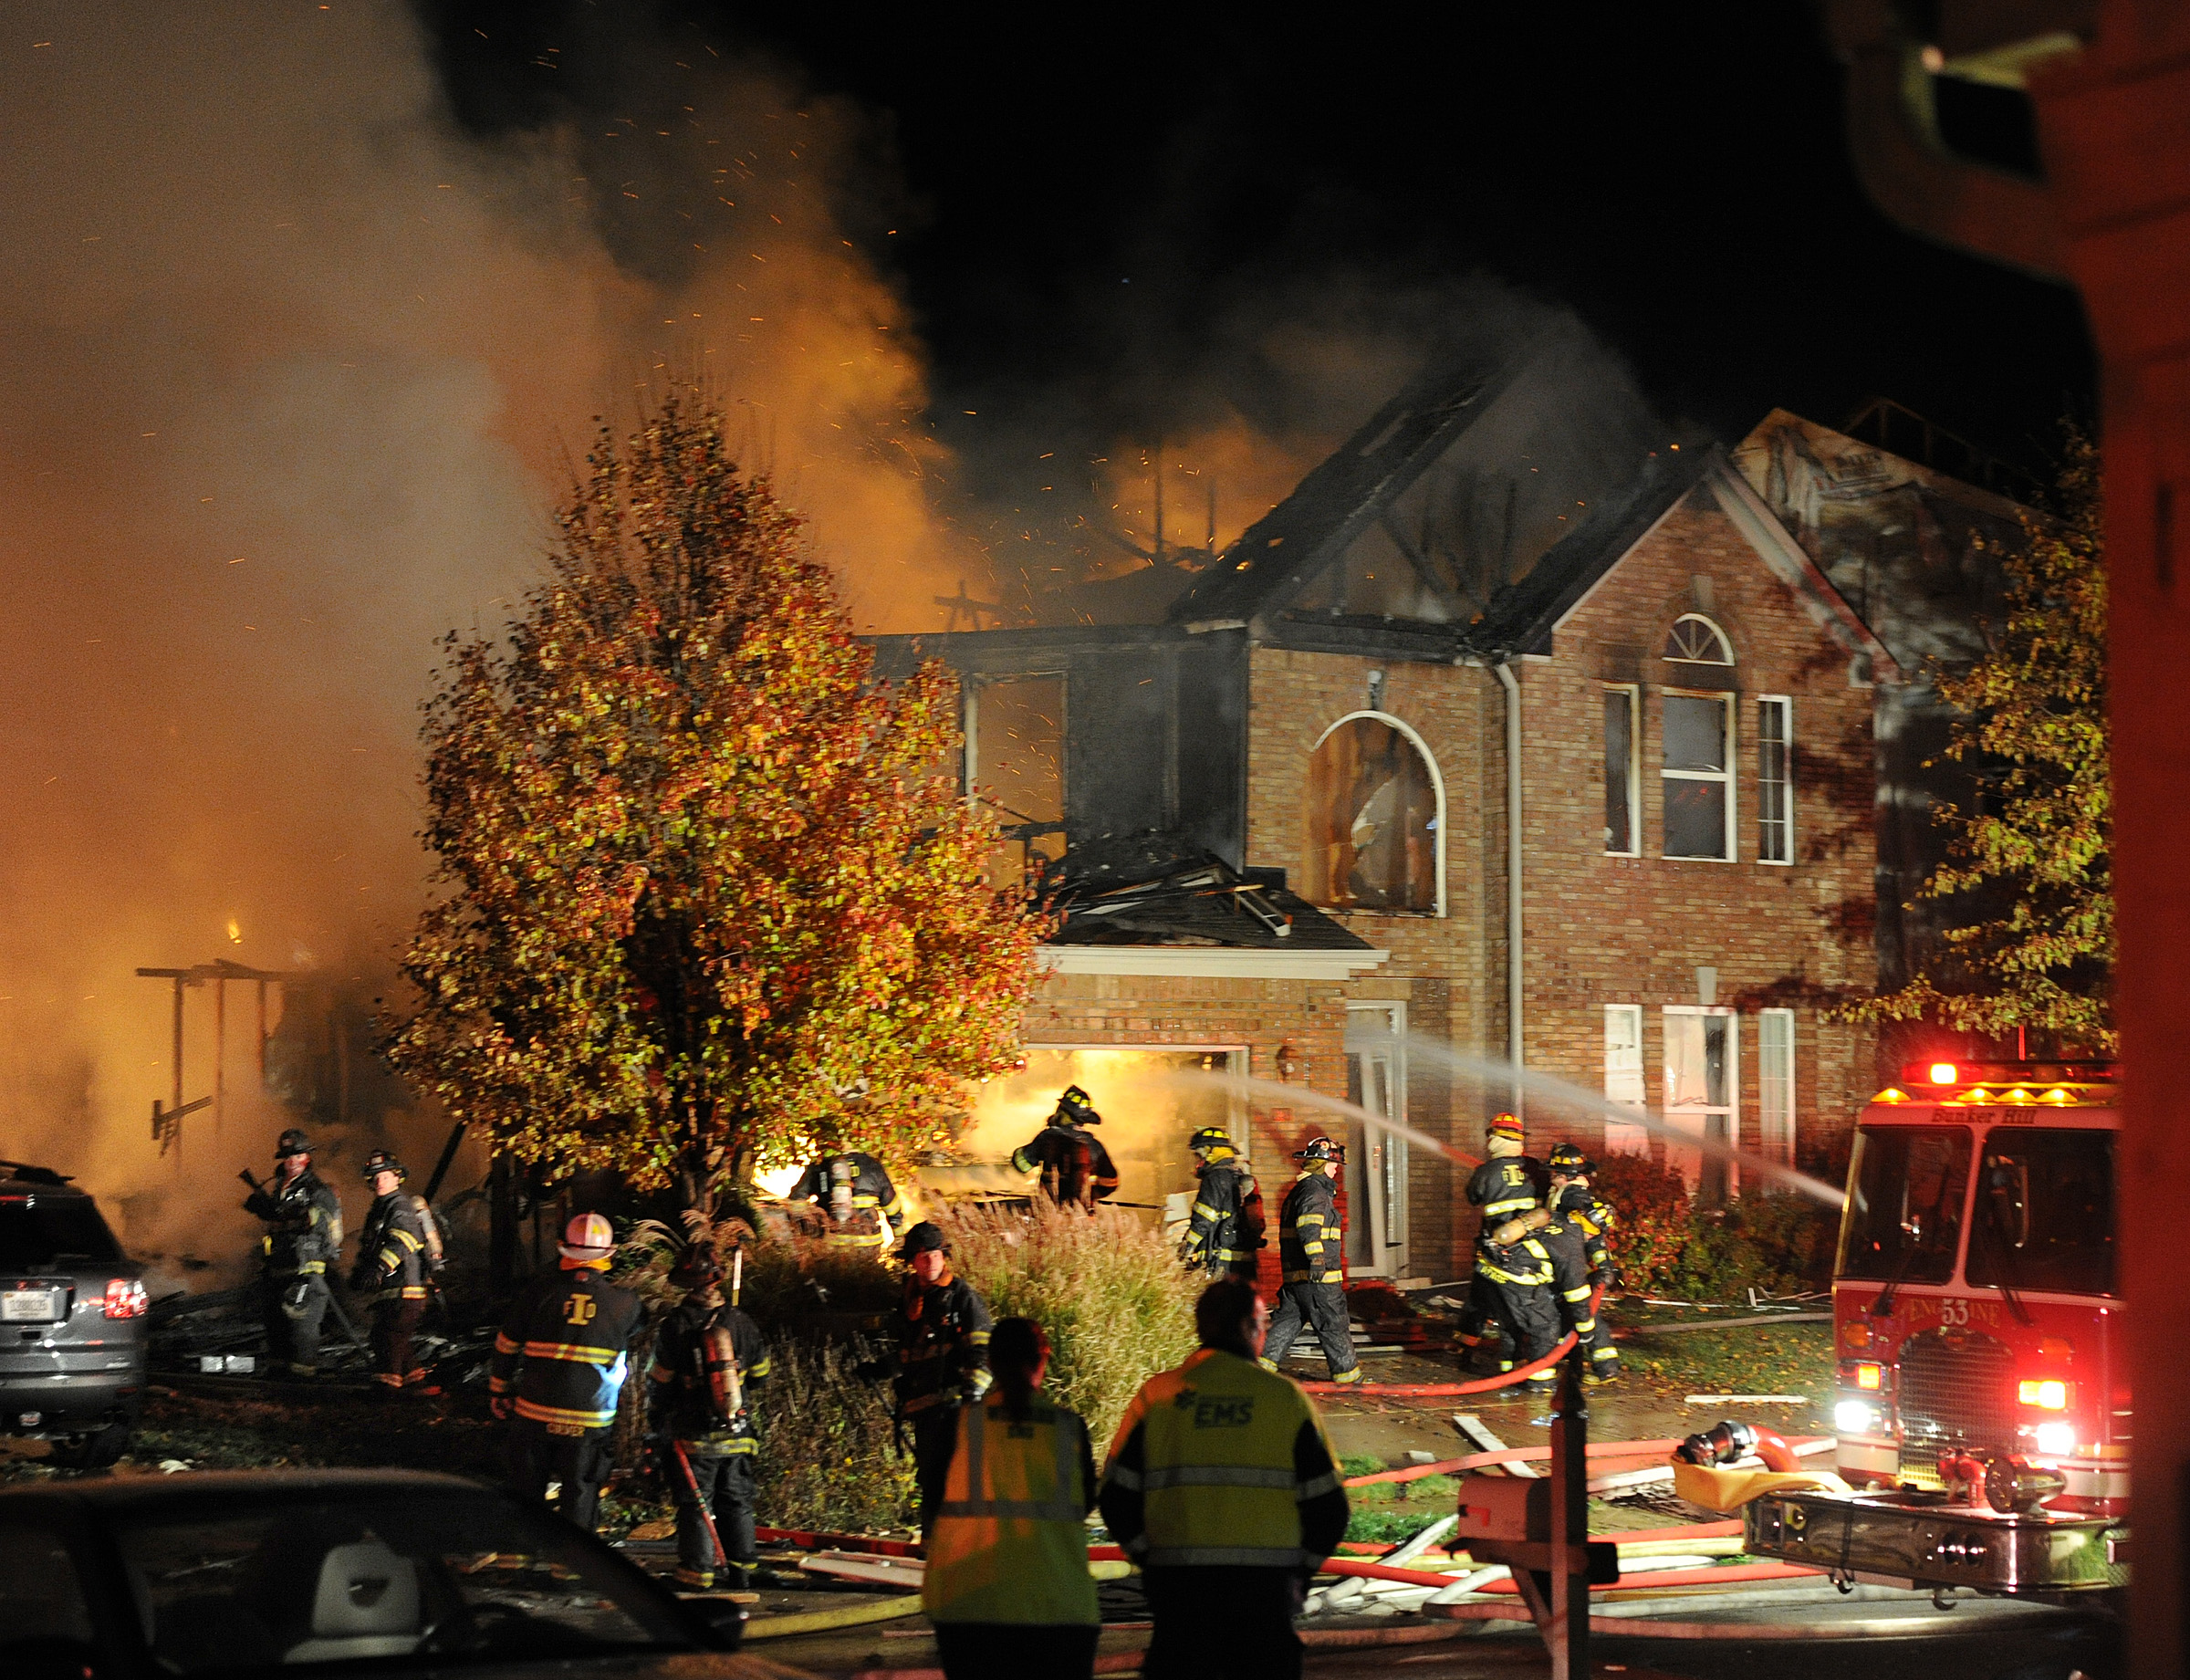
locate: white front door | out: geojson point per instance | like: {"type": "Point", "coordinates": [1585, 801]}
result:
{"type": "Point", "coordinates": [1376, 1160]}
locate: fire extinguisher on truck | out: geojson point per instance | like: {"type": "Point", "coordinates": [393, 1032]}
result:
{"type": "Point", "coordinates": [1982, 1407]}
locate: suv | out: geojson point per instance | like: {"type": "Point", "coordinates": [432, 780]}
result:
{"type": "Point", "coordinates": [72, 1321]}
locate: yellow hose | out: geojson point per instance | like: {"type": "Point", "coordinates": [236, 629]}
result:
{"type": "Point", "coordinates": [821, 1620]}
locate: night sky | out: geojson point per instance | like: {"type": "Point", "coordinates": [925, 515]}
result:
{"type": "Point", "coordinates": [1094, 210]}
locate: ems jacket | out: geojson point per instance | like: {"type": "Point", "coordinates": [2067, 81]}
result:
{"type": "Point", "coordinates": [1226, 1224]}
{"type": "Point", "coordinates": [1074, 1164]}
{"type": "Point", "coordinates": [707, 1362]}
{"type": "Point", "coordinates": [560, 1349]}
{"type": "Point", "coordinates": [392, 1250]}
{"type": "Point", "coordinates": [943, 1346]}
{"type": "Point", "coordinates": [1222, 1463]}
{"type": "Point", "coordinates": [1309, 1232]}
{"type": "Point", "coordinates": [306, 1221]}
{"type": "Point", "coordinates": [1009, 1542]}
{"type": "Point", "coordinates": [854, 1217]}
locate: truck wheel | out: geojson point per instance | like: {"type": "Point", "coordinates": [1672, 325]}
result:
{"type": "Point", "coordinates": [95, 1450]}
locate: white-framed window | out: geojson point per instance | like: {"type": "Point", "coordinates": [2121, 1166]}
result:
{"type": "Point", "coordinates": [1374, 818]}
{"type": "Point", "coordinates": [1697, 774]}
{"type": "Point", "coordinates": [1776, 1084]}
{"type": "Point", "coordinates": [1623, 1078]}
{"type": "Point", "coordinates": [1703, 1091]}
{"type": "Point", "coordinates": [1695, 640]}
{"type": "Point", "coordinates": [1775, 779]}
{"type": "Point", "coordinates": [1623, 770]}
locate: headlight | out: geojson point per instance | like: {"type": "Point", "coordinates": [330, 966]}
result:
{"type": "Point", "coordinates": [1856, 1417]}
{"type": "Point", "coordinates": [2054, 1437]}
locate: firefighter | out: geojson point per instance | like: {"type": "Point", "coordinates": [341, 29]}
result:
{"type": "Point", "coordinates": [1224, 1233]}
{"type": "Point", "coordinates": [943, 1330]}
{"type": "Point", "coordinates": [1221, 1485]}
{"type": "Point", "coordinates": [558, 1366]}
{"type": "Point", "coordinates": [395, 1266]}
{"type": "Point", "coordinates": [304, 1220]}
{"type": "Point", "coordinates": [1310, 1239]}
{"type": "Point", "coordinates": [708, 1360]}
{"type": "Point", "coordinates": [1510, 1305]}
{"type": "Point", "coordinates": [1076, 1169]}
{"type": "Point", "coordinates": [1006, 1584]}
{"type": "Point", "coordinates": [855, 1191]}
{"type": "Point", "coordinates": [1576, 1203]}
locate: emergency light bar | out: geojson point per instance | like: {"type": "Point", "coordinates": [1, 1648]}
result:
{"type": "Point", "coordinates": [1939, 1074]}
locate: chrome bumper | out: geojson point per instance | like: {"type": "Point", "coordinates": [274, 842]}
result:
{"type": "Point", "coordinates": [1872, 1538]}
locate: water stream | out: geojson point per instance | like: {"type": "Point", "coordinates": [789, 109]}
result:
{"type": "Point", "coordinates": [1559, 1092]}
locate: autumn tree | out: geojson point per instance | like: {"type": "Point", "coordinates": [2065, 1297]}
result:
{"type": "Point", "coordinates": [708, 891]}
{"type": "Point", "coordinates": [2027, 886]}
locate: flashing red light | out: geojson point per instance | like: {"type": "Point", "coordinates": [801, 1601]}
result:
{"type": "Point", "coordinates": [125, 1298]}
{"type": "Point", "coordinates": [1943, 1072]}
{"type": "Point", "coordinates": [2047, 1394]}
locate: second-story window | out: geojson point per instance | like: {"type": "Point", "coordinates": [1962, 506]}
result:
{"type": "Point", "coordinates": [1775, 779]}
{"type": "Point", "coordinates": [1371, 809]}
{"type": "Point", "coordinates": [1623, 819]}
{"type": "Point", "coordinates": [1016, 766]}
{"type": "Point", "coordinates": [1699, 776]}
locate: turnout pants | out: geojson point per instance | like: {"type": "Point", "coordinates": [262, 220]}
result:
{"type": "Point", "coordinates": [935, 1439]}
{"type": "Point", "coordinates": [1006, 1651]}
{"type": "Point", "coordinates": [1515, 1323]}
{"type": "Point", "coordinates": [293, 1343]}
{"type": "Point", "coordinates": [536, 1456]}
{"type": "Point", "coordinates": [1318, 1306]}
{"type": "Point", "coordinates": [724, 1483]}
{"type": "Point", "coordinates": [394, 1323]}
{"type": "Point", "coordinates": [1223, 1622]}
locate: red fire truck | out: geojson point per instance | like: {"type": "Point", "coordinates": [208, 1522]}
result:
{"type": "Point", "coordinates": [1983, 1407]}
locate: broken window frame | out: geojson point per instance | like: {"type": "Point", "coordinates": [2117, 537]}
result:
{"type": "Point", "coordinates": [1022, 835]}
{"type": "Point", "coordinates": [1631, 768]}
{"type": "Point", "coordinates": [1775, 779]}
{"type": "Point", "coordinates": [1429, 760]}
{"type": "Point", "coordinates": [1729, 839]}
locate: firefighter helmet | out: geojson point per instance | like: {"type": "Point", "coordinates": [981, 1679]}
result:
{"type": "Point", "coordinates": [292, 1142]}
{"type": "Point", "coordinates": [1507, 1126]}
{"type": "Point", "coordinates": [588, 1236]}
{"type": "Point", "coordinates": [1077, 1106]}
{"type": "Point", "coordinates": [1209, 1138]}
{"type": "Point", "coordinates": [380, 1161]}
{"type": "Point", "coordinates": [926, 1237]}
{"type": "Point", "coordinates": [1568, 1158]}
{"type": "Point", "coordinates": [697, 1270]}
{"type": "Point", "coordinates": [1321, 1149]}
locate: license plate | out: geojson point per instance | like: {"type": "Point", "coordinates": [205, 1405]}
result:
{"type": "Point", "coordinates": [38, 1306]}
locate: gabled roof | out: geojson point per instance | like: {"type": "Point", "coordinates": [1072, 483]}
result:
{"type": "Point", "coordinates": [1286, 549]}
{"type": "Point", "coordinates": [1523, 615]}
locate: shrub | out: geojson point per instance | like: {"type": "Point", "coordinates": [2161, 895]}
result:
{"type": "Point", "coordinates": [1656, 1220]}
{"type": "Point", "coordinates": [827, 1460]}
{"type": "Point", "coordinates": [1664, 1245]}
{"type": "Point", "coordinates": [1109, 1290]}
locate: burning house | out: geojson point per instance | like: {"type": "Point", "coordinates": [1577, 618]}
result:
{"type": "Point", "coordinates": [1444, 764]}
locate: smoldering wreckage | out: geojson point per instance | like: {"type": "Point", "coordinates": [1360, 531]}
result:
{"type": "Point", "coordinates": [1263, 874]}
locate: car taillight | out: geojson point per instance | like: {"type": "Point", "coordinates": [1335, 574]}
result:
{"type": "Point", "coordinates": [2047, 1394]}
{"type": "Point", "coordinates": [125, 1298]}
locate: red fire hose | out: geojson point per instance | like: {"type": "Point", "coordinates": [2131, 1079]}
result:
{"type": "Point", "coordinates": [1482, 1385]}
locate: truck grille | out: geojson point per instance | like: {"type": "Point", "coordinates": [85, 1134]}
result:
{"type": "Point", "coordinates": [1958, 1394]}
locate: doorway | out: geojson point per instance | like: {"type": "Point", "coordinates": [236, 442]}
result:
{"type": "Point", "coordinates": [1376, 1161]}
{"type": "Point", "coordinates": [1702, 1083]}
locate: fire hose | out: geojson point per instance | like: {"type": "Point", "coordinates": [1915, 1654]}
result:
{"type": "Point", "coordinates": [1482, 1385]}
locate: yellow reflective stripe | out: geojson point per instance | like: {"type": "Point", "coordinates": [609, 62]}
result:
{"type": "Point", "coordinates": [1510, 1205]}
{"type": "Point", "coordinates": [760, 1369]}
{"type": "Point", "coordinates": [539, 1413]}
{"type": "Point", "coordinates": [1581, 1294]}
{"type": "Point", "coordinates": [1206, 1211]}
{"type": "Point", "coordinates": [1314, 1247]}
{"type": "Point", "coordinates": [976, 1337]}
{"type": "Point", "coordinates": [1307, 1219]}
{"type": "Point", "coordinates": [405, 1237]}
{"type": "Point", "coordinates": [571, 1351]}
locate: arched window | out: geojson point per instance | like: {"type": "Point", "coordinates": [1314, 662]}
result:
{"type": "Point", "coordinates": [1695, 640]}
{"type": "Point", "coordinates": [1374, 819]}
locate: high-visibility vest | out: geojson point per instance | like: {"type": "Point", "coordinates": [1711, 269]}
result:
{"type": "Point", "coordinates": [1009, 1542]}
{"type": "Point", "coordinates": [1217, 1477]}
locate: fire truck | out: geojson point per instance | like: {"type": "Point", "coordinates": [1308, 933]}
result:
{"type": "Point", "coordinates": [1983, 1407]}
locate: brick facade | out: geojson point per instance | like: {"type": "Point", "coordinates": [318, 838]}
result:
{"type": "Point", "coordinates": [1597, 929]}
